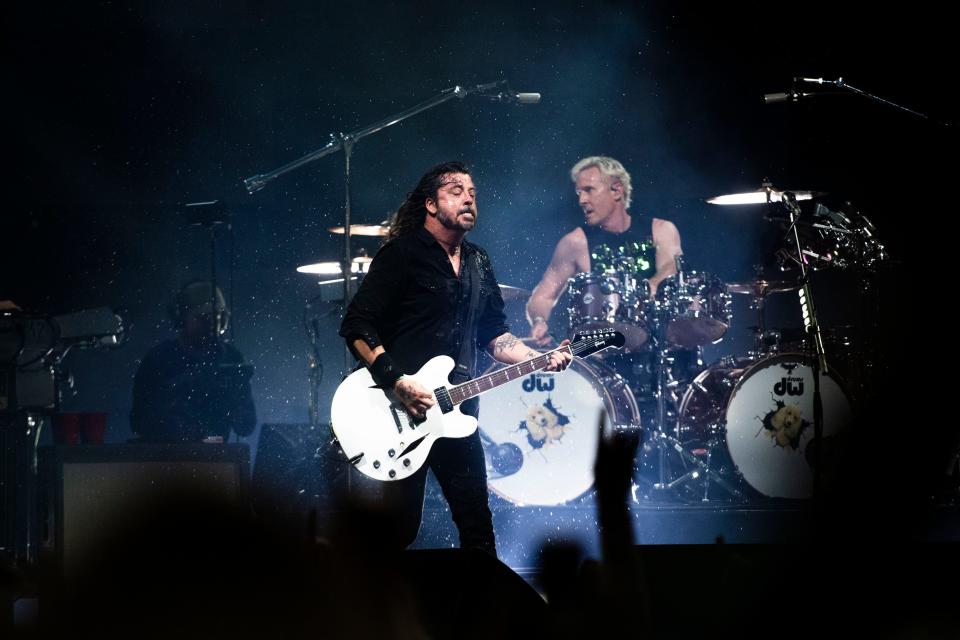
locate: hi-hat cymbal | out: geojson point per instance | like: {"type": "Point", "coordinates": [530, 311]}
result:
{"type": "Point", "coordinates": [513, 293]}
{"type": "Point", "coordinates": [764, 195]}
{"type": "Point", "coordinates": [360, 264]}
{"type": "Point", "coordinates": [760, 288]}
{"type": "Point", "coordinates": [379, 229]}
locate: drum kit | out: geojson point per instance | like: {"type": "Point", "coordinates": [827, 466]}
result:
{"type": "Point", "coordinates": [739, 430]}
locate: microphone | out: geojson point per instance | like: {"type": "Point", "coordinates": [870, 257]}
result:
{"type": "Point", "coordinates": [838, 81]}
{"type": "Point", "coordinates": [790, 96]}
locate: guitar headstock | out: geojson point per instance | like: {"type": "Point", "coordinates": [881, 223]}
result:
{"type": "Point", "coordinates": [588, 342]}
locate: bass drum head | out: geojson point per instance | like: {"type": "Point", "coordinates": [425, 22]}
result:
{"type": "Point", "coordinates": [552, 418]}
{"type": "Point", "coordinates": [769, 424]}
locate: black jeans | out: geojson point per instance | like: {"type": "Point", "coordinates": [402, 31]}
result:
{"type": "Point", "coordinates": [460, 468]}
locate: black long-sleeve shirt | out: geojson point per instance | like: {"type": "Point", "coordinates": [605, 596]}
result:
{"type": "Point", "coordinates": [414, 305]}
{"type": "Point", "coordinates": [184, 395]}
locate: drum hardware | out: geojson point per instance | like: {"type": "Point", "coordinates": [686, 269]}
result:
{"type": "Point", "coordinates": [662, 442]}
{"type": "Point", "coordinates": [765, 340]}
{"type": "Point", "coordinates": [819, 356]}
{"type": "Point", "coordinates": [359, 266]}
{"type": "Point", "coordinates": [503, 459]}
{"type": "Point", "coordinates": [691, 309]}
{"type": "Point", "coordinates": [842, 239]}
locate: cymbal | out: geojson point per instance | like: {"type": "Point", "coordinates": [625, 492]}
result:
{"type": "Point", "coordinates": [760, 288]}
{"type": "Point", "coordinates": [360, 264]}
{"type": "Point", "coordinates": [379, 229]}
{"type": "Point", "coordinates": [513, 293]}
{"type": "Point", "coordinates": [764, 195]}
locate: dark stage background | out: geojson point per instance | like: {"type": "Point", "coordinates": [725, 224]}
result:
{"type": "Point", "coordinates": [119, 113]}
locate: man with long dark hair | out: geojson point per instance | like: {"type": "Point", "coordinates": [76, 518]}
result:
{"type": "Point", "coordinates": [429, 292]}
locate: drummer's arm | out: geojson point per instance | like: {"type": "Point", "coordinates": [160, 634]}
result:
{"type": "Point", "coordinates": [562, 267]}
{"type": "Point", "coordinates": [667, 240]}
{"type": "Point", "coordinates": [510, 349]}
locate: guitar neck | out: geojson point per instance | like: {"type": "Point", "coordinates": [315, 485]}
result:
{"type": "Point", "coordinates": [475, 387]}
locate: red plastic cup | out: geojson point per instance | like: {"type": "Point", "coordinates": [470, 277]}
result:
{"type": "Point", "coordinates": [87, 427]}
{"type": "Point", "coordinates": [93, 426]}
{"type": "Point", "coordinates": [66, 428]}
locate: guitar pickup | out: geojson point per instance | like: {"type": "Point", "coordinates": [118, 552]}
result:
{"type": "Point", "coordinates": [443, 399]}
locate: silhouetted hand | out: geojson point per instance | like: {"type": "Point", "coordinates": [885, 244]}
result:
{"type": "Point", "coordinates": [616, 449]}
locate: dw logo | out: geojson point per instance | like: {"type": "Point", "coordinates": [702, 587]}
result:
{"type": "Point", "coordinates": [535, 381]}
{"type": "Point", "coordinates": [789, 386]}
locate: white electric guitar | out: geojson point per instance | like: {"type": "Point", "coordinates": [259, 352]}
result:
{"type": "Point", "coordinates": [384, 442]}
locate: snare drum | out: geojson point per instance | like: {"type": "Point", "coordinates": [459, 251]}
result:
{"type": "Point", "coordinates": [552, 418]}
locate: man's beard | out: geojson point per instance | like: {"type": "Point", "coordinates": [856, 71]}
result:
{"type": "Point", "coordinates": [455, 222]}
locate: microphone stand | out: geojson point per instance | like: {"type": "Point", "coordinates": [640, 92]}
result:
{"type": "Point", "coordinates": [345, 142]}
{"type": "Point", "coordinates": [840, 84]}
{"type": "Point", "coordinates": [208, 215]}
{"type": "Point", "coordinates": [818, 361]}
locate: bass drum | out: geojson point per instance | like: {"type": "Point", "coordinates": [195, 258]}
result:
{"type": "Point", "coordinates": [550, 421]}
{"type": "Point", "coordinates": [760, 412]}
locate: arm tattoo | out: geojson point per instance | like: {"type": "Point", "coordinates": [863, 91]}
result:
{"type": "Point", "coordinates": [504, 343]}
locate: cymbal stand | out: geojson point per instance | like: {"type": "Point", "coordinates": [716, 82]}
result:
{"type": "Point", "coordinates": [818, 362]}
{"type": "Point", "coordinates": [758, 303]}
{"type": "Point", "coordinates": [208, 215]}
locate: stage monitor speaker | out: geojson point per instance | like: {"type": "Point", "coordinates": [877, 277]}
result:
{"type": "Point", "coordinates": [86, 490]}
{"type": "Point", "coordinates": [298, 468]}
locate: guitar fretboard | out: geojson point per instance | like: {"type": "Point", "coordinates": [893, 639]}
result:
{"type": "Point", "coordinates": [475, 387]}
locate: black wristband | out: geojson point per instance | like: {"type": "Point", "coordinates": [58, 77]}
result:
{"type": "Point", "coordinates": [385, 373]}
